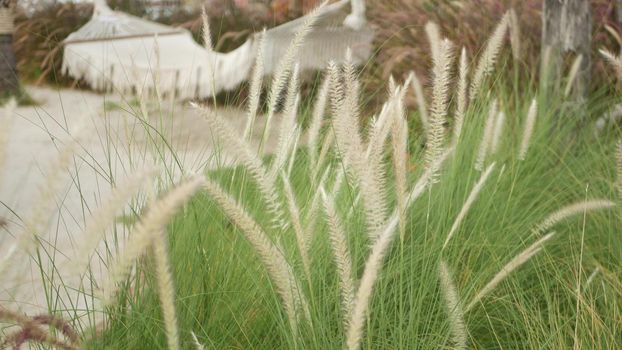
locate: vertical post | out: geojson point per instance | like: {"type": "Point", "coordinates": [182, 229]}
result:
{"type": "Point", "coordinates": [295, 8]}
{"type": "Point", "coordinates": [9, 85]}
{"type": "Point", "coordinates": [618, 12]}
{"type": "Point", "coordinates": [567, 28]}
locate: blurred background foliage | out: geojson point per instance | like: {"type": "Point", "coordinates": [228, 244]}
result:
{"type": "Point", "coordinates": [400, 44]}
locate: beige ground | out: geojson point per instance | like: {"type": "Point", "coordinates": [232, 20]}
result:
{"type": "Point", "coordinates": [113, 143]}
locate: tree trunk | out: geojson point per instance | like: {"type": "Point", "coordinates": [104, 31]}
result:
{"type": "Point", "coordinates": [567, 29]}
{"type": "Point", "coordinates": [9, 84]}
{"type": "Point", "coordinates": [618, 12]}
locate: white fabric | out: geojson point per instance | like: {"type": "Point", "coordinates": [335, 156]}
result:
{"type": "Point", "coordinates": [132, 65]}
{"type": "Point", "coordinates": [118, 51]}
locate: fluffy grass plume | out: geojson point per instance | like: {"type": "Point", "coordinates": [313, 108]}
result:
{"type": "Point", "coordinates": [515, 35]}
{"type": "Point", "coordinates": [614, 61]}
{"type": "Point", "coordinates": [530, 123]}
{"type": "Point", "coordinates": [484, 144]}
{"type": "Point", "coordinates": [255, 88]}
{"type": "Point", "coordinates": [302, 239]}
{"type": "Point", "coordinates": [506, 270]}
{"type": "Point", "coordinates": [468, 203]}
{"type": "Point", "coordinates": [284, 67]}
{"type": "Point", "coordinates": [497, 133]}
{"type": "Point", "coordinates": [166, 290]}
{"type": "Point", "coordinates": [329, 139]}
{"type": "Point", "coordinates": [572, 74]}
{"type": "Point", "coordinates": [571, 210]}
{"type": "Point", "coordinates": [489, 56]}
{"type": "Point", "coordinates": [438, 110]}
{"type": "Point", "coordinates": [420, 96]}
{"type": "Point", "coordinates": [293, 145]}
{"type": "Point", "coordinates": [453, 307]}
{"type": "Point", "coordinates": [195, 341]}
{"type": "Point", "coordinates": [242, 151]}
{"type": "Point", "coordinates": [462, 94]}
{"type": "Point", "coordinates": [288, 123]}
{"type": "Point", "coordinates": [399, 141]}
{"type": "Point", "coordinates": [434, 39]}
{"type": "Point", "coordinates": [158, 215]}
{"type": "Point", "coordinates": [380, 129]}
{"type": "Point", "coordinates": [373, 264]}
{"type": "Point", "coordinates": [205, 32]}
{"type": "Point", "coordinates": [279, 270]}
{"type": "Point", "coordinates": [312, 216]}
{"type": "Point", "coordinates": [341, 254]}
{"type": "Point", "coordinates": [317, 117]}
{"type": "Point", "coordinates": [104, 216]}
{"type": "Point", "coordinates": [344, 98]}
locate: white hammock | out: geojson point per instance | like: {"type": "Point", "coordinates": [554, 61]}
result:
{"type": "Point", "coordinates": [116, 51]}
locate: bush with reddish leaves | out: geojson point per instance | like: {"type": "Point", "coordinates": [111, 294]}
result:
{"type": "Point", "coordinates": [402, 43]}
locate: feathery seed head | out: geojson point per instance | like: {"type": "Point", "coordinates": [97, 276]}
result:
{"type": "Point", "coordinates": [207, 35]}
{"type": "Point", "coordinates": [453, 307]}
{"type": "Point", "coordinates": [438, 110]}
{"type": "Point", "coordinates": [614, 61]}
{"type": "Point", "coordinates": [434, 38]}
{"type": "Point", "coordinates": [571, 210]}
{"type": "Point", "coordinates": [530, 122]}
{"type": "Point", "coordinates": [489, 56]}
{"type": "Point", "coordinates": [486, 137]}
{"type": "Point", "coordinates": [498, 131]}
{"type": "Point", "coordinates": [462, 100]}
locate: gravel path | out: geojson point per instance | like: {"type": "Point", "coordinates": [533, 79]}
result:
{"type": "Point", "coordinates": [113, 143]}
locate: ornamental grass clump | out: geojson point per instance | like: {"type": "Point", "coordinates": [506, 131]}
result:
{"type": "Point", "coordinates": [300, 249]}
